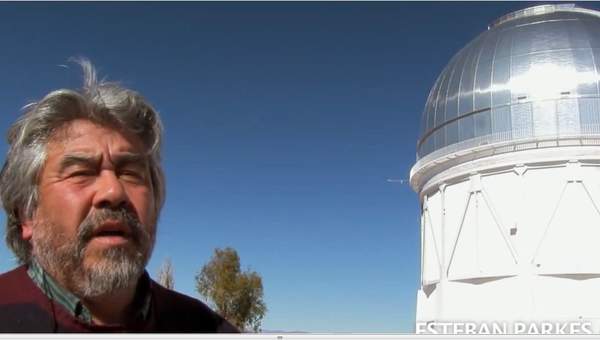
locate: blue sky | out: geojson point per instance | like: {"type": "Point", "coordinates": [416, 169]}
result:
{"type": "Point", "coordinates": [282, 123]}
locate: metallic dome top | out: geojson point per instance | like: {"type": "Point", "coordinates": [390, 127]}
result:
{"type": "Point", "coordinates": [533, 75]}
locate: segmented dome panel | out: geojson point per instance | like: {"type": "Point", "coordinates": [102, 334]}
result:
{"type": "Point", "coordinates": [532, 75]}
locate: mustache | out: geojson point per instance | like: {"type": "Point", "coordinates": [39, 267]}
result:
{"type": "Point", "coordinates": [121, 215]}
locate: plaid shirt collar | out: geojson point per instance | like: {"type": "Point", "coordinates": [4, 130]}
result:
{"type": "Point", "coordinates": [74, 305]}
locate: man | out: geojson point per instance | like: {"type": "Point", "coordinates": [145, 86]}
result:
{"type": "Point", "coordinates": [82, 187]}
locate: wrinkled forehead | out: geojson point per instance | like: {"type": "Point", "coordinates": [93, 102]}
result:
{"type": "Point", "coordinates": [85, 134]}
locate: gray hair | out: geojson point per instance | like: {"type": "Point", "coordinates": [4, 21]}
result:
{"type": "Point", "coordinates": [102, 102]}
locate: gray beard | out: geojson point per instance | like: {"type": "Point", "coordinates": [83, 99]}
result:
{"type": "Point", "coordinates": [116, 268]}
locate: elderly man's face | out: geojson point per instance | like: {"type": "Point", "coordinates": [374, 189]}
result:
{"type": "Point", "coordinates": [95, 222]}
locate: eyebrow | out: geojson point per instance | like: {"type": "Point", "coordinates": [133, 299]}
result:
{"type": "Point", "coordinates": [93, 161]}
{"type": "Point", "coordinates": [78, 159]}
{"type": "Point", "coordinates": [127, 158]}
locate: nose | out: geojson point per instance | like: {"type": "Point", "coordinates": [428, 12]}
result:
{"type": "Point", "coordinates": [110, 191]}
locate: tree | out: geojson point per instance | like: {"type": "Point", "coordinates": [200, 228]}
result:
{"type": "Point", "coordinates": [165, 274]}
{"type": "Point", "coordinates": [236, 295]}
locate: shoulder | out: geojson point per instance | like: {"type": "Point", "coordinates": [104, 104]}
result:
{"type": "Point", "coordinates": [15, 284]}
{"type": "Point", "coordinates": [13, 274]}
{"type": "Point", "coordinates": [167, 298]}
{"type": "Point", "coordinates": [176, 312]}
{"type": "Point", "coordinates": [23, 307]}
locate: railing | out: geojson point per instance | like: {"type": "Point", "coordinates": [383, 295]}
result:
{"type": "Point", "coordinates": [500, 144]}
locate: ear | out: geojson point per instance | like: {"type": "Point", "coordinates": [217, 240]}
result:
{"type": "Point", "coordinates": [27, 229]}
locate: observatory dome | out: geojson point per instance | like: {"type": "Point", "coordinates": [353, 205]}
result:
{"type": "Point", "coordinates": [532, 76]}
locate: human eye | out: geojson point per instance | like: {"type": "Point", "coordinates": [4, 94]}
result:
{"type": "Point", "coordinates": [132, 174]}
{"type": "Point", "coordinates": [80, 174]}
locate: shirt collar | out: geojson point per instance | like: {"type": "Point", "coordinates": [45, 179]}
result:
{"type": "Point", "coordinates": [73, 304]}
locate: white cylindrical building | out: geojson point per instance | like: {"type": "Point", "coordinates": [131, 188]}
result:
{"type": "Point", "coordinates": [508, 174]}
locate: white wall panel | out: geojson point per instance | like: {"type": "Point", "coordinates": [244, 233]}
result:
{"type": "Point", "coordinates": [456, 196]}
{"type": "Point", "coordinates": [493, 274]}
{"type": "Point", "coordinates": [564, 297]}
{"type": "Point", "coordinates": [571, 242]}
{"type": "Point", "coordinates": [482, 247]}
{"type": "Point", "coordinates": [541, 191]}
{"type": "Point", "coordinates": [432, 229]}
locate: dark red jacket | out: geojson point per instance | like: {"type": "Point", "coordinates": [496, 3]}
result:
{"type": "Point", "coordinates": [25, 308]}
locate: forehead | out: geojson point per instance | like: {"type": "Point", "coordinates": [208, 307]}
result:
{"type": "Point", "coordinates": [82, 135]}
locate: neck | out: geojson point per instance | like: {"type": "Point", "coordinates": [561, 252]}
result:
{"type": "Point", "coordinates": [113, 308]}
{"type": "Point", "coordinates": [107, 309]}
